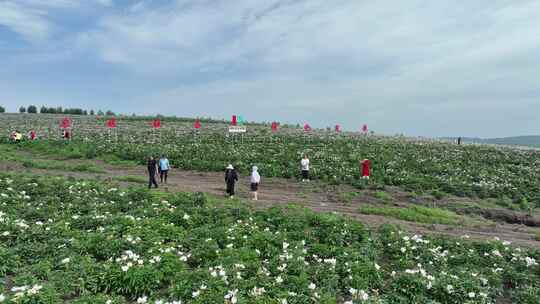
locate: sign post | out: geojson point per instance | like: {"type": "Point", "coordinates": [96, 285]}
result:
{"type": "Point", "coordinates": [235, 129]}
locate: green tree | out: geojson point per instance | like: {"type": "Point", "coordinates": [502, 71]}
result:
{"type": "Point", "coordinates": [2, 109]}
{"type": "Point", "coordinates": [22, 110]}
{"type": "Point", "coordinates": [43, 110]}
{"type": "Point", "coordinates": [32, 109]}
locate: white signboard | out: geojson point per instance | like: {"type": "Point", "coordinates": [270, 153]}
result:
{"type": "Point", "coordinates": [237, 129]}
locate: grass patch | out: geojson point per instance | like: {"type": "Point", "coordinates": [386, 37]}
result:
{"type": "Point", "coordinates": [347, 197]}
{"type": "Point", "coordinates": [116, 161]}
{"type": "Point", "coordinates": [59, 165]}
{"type": "Point", "coordinates": [131, 179]}
{"type": "Point", "coordinates": [416, 214]}
{"type": "Point", "coordinates": [383, 196]}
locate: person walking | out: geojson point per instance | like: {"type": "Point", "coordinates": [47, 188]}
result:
{"type": "Point", "coordinates": [366, 170]}
{"type": "Point", "coordinates": [255, 181]}
{"type": "Point", "coordinates": [231, 177]}
{"type": "Point", "coordinates": [163, 168]}
{"type": "Point", "coordinates": [152, 166]}
{"type": "Point", "coordinates": [305, 168]}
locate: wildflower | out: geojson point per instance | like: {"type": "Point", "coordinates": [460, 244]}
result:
{"type": "Point", "coordinates": [65, 261]}
{"type": "Point", "coordinates": [142, 300]}
{"type": "Point", "coordinates": [312, 286]}
{"type": "Point", "coordinates": [471, 295]}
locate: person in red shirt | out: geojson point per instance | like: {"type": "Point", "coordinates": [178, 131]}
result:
{"type": "Point", "coordinates": [365, 167]}
{"type": "Point", "coordinates": [32, 135]}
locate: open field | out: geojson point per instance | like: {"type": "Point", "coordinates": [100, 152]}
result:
{"type": "Point", "coordinates": [82, 228]}
{"type": "Point", "coordinates": [414, 165]}
{"type": "Point", "coordinates": [91, 242]}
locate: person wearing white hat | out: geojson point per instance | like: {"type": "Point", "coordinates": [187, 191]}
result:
{"type": "Point", "coordinates": [231, 177]}
{"type": "Point", "coordinates": [255, 180]}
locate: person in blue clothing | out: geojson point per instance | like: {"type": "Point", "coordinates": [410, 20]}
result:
{"type": "Point", "coordinates": [163, 168]}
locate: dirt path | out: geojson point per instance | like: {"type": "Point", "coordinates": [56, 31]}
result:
{"type": "Point", "coordinates": [314, 195]}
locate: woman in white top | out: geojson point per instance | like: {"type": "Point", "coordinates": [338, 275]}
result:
{"type": "Point", "coordinates": [305, 168]}
{"type": "Point", "coordinates": [255, 180]}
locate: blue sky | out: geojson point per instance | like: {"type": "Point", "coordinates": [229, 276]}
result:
{"type": "Point", "coordinates": [428, 68]}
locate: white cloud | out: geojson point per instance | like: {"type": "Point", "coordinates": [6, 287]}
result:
{"type": "Point", "coordinates": [30, 23]}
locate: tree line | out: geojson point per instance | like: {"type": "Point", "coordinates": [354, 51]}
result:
{"type": "Point", "coordinates": [32, 109]}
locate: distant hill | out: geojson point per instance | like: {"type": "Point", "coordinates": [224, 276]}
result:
{"type": "Point", "coordinates": [528, 141]}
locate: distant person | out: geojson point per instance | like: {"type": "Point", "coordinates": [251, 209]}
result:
{"type": "Point", "coordinates": [152, 166]}
{"type": "Point", "coordinates": [231, 177]}
{"type": "Point", "coordinates": [163, 168]}
{"type": "Point", "coordinates": [366, 170]}
{"type": "Point", "coordinates": [255, 181]}
{"type": "Point", "coordinates": [17, 137]}
{"type": "Point", "coordinates": [12, 136]}
{"type": "Point", "coordinates": [304, 163]}
{"type": "Point", "coordinates": [32, 135]}
{"type": "Point", "coordinates": [66, 134]}
{"type": "Point", "coordinates": [459, 141]}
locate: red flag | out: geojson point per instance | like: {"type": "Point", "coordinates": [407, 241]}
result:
{"type": "Point", "coordinates": [156, 124]}
{"type": "Point", "coordinates": [338, 128]}
{"type": "Point", "coordinates": [307, 128]}
{"type": "Point", "coordinates": [65, 123]}
{"type": "Point", "coordinates": [365, 129]}
{"type": "Point", "coordinates": [234, 120]}
{"type": "Point", "coordinates": [111, 123]}
{"type": "Point", "coordinates": [274, 126]}
{"type": "Point", "coordinates": [197, 124]}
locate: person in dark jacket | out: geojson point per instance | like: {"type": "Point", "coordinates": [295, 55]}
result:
{"type": "Point", "coordinates": [152, 167]}
{"type": "Point", "coordinates": [231, 177]}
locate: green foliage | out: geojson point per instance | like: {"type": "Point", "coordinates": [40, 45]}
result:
{"type": "Point", "coordinates": [32, 109]}
{"type": "Point", "coordinates": [88, 242]}
{"type": "Point", "coordinates": [418, 214]}
{"type": "Point", "coordinates": [383, 196]}
{"type": "Point", "coordinates": [2, 109]}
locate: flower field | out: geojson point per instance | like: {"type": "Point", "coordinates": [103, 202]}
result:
{"type": "Point", "coordinates": [416, 165]}
{"type": "Point", "coordinates": [73, 241]}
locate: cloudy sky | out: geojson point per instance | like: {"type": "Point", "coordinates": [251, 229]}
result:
{"type": "Point", "coordinates": [429, 68]}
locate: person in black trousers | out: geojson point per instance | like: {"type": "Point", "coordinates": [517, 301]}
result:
{"type": "Point", "coordinates": [231, 177]}
{"type": "Point", "coordinates": [152, 167]}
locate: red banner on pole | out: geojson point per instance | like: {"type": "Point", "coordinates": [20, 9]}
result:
{"type": "Point", "coordinates": [275, 126]}
{"type": "Point", "coordinates": [65, 123]}
{"type": "Point", "coordinates": [156, 124]}
{"type": "Point", "coordinates": [234, 120]}
{"type": "Point", "coordinates": [197, 124]}
{"type": "Point", "coordinates": [364, 128]}
{"type": "Point", "coordinates": [338, 128]}
{"type": "Point", "coordinates": [111, 123]}
{"type": "Point", "coordinates": [307, 128]}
